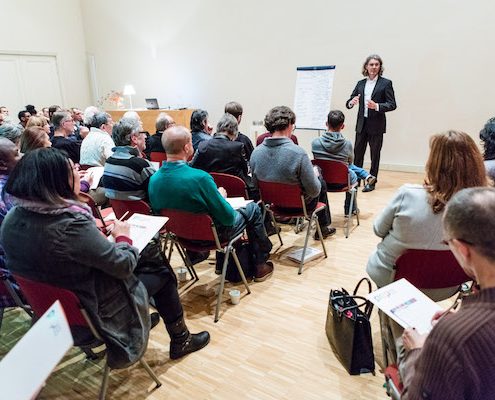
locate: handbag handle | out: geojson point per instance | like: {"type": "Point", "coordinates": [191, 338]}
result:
{"type": "Point", "coordinates": [359, 284]}
{"type": "Point", "coordinates": [365, 302]}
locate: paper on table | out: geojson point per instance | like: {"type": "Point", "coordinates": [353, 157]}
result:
{"type": "Point", "coordinates": [97, 173]}
{"type": "Point", "coordinates": [143, 228]}
{"type": "Point", "coordinates": [26, 367]}
{"type": "Point", "coordinates": [406, 305]}
{"type": "Point", "coordinates": [238, 202]}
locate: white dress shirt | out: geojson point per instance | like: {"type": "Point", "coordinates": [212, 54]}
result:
{"type": "Point", "coordinates": [368, 91]}
{"type": "Point", "coordinates": [96, 148]}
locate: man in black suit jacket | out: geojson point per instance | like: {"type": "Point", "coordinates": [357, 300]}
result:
{"type": "Point", "coordinates": [224, 154]}
{"type": "Point", "coordinates": [375, 96]}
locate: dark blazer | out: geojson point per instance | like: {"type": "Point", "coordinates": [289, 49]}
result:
{"type": "Point", "coordinates": [154, 144]}
{"type": "Point", "coordinates": [222, 155]}
{"type": "Point", "coordinates": [383, 94]}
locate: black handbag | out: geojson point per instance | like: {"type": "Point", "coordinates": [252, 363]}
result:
{"type": "Point", "coordinates": [246, 259]}
{"type": "Point", "coordinates": [348, 330]}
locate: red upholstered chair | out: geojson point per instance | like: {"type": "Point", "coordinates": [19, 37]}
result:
{"type": "Point", "coordinates": [157, 156]}
{"type": "Point", "coordinates": [120, 207]}
{"type": "Point", "coordinates": [10, 298]}
{"type": "Point", "coordinates": [234, 185]}
{"type": "Point", "coordinates": [197, 232]}
{"type": "Point", "coordinates": [99, 214]}
{"type": "Point", "coordinates": [284, 200]}
{"type": "Point", "coordinates": [42, 295]}
{"type": "Point", "coordinates": [338, 179]}
{"type": "Point", "coordinates": [393, 383]}
{"type": "Point", "coordinates": [425, 269]}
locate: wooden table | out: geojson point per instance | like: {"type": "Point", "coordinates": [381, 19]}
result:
{"type": "Point", "coordinates": [181, 117]}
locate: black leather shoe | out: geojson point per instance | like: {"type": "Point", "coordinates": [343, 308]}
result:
{"type": "Point", "coordinates": [369, 188]}
{"type": "Point", "coordinates": [182, 341]}
{"type": "Point", "coordinates": [325, 232]}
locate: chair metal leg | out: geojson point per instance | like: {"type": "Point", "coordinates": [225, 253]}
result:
{"type": "Point", "coordinates": [276, 227]}
{"type": "Point", "coordinates": [222, 281]}
{"type": "Point", "coordinates": [241, 272]}
{"type": "Point", "coordinates": [187, 262]}
{"type": "Point", "coordinates": [104, 382]}
{"type": "Point", "coordinates": [150, 373]}
{"type": "Point", "coordinates": [318, 227]}
{"type": "Point", "coordinates": [308, 233]}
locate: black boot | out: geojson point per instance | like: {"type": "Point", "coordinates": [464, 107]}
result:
{"type": "Point", "coordinates": [182, 341]}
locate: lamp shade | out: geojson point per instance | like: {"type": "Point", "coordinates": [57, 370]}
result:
{"type": "Point", "coordinates": [129, 90]}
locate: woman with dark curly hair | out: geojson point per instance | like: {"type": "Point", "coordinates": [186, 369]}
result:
{"type": "Point", "coordinates": [487, 136]}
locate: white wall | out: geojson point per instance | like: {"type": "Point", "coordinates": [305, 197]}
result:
{"type": "Point", "coordinates": [204, 53]}
{"type": "Point", "coordinates": [49, 27]}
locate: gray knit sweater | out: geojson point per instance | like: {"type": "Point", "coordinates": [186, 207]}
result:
{"type": "Point", "coordinates": [280, 160]}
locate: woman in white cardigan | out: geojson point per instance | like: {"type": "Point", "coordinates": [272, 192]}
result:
{"type": "Point", "coordinates": [413, 218]}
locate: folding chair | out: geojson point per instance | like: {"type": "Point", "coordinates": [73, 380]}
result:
{"type": "Point", "coordinates": [10, 297]}
{"type": "Point", "coordinates": [42, 295]}
{"type": "Point", "coordinates": [159, 157]}
{"type": "Point", "coordinates": [338, 179]}
{"type": "Point", "coordinates": [425, 269]}
{"type": "Point", "coordinates": [286, 200]}
{"type": "Point", "coordinates": [234, 185]}
{"type": "Point", "coordinates": [197, 232]}
{"type": "Point", "coordinates": [99, 215]}
{"type": "Point", "coordinates": [120, 207]}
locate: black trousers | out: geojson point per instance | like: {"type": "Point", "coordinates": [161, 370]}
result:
{"type": "Point", "coordinates": [375, 141]}
{"type": "Point", "coordinates": [159, 279]}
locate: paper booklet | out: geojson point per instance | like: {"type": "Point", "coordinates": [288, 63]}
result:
{"type": "Point", "coordinates": [97, 173]}
{"type": "Point", "coordinates": [26, 367]}
{"type": "Point", "coordinates": [143, 228]}
{"type": "Point", "coordinates": [238, 202]}
{"type": "Point", "coordinates": [406, 305]}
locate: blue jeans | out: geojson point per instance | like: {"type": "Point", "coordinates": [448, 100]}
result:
{"type": "Point", "coordinates": [357, 173]}
{"type": "Point", "coordinates": [251, 219]}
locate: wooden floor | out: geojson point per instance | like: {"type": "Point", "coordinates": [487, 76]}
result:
{"type": "Point", "coordinates": [270, 346]}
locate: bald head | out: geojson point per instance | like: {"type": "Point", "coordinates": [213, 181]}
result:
{"type": "Point", "coordinates": [9, 155]}
{"type": "Point", "coordinates": [175, 139]}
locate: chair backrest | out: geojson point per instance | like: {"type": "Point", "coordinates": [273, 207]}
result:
{"type": "Point", "coordinates": [157, 156]}
{"type": "Point", "coordinates": [430, 269]}
{"type": "Point", "coordinates": [234, 185]}
{"type": "Point", "coordinates": [94, 208]}
{"type": "Point", "coordinates": [42, 295]}
{"type": "Point", "coordinates": [334, 173]}
{"type": "Point", "coordinates": [189, 226]}
{"type": "Point", "coordinates": [120, 207]}
{"type": "Point", "coordinates": [281, 194]}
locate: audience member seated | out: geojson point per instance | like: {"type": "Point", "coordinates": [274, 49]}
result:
{"type": "Point", "coordinates": [9, 156]}
{"type": "Point", "coordinates": [31, 110]}
{"type": "Point", "coordinates": [235, 109]}
{"type": "Point", "coordinates": [126, 175]}
{"type": "Point", "coordinates": [456, 359]}
{"type": "Point", "coordinates": [224, 154]}
{"type": "Point", "coordinates": [260, 139]}
{"type": "Point", "coordinates": [332, 145]}
{"type": "Point", "coordinates": [278, 159]}
{"type": "Point", "coordinates": [200, 129]}
{"type": "Point", "coordinates": [39, 121]}
{"type": "Point", "coordinates": [34, 138]}
{"type": "Point", "coordinates": [178, 186]}
{"type": "Point", "coordinates": [6, 115]}
{"type": "Point", "coordinates": [98, 145]}
{"type": "Point", "coordinates": [11, 132]}
{"type": "Point", "coordinates": [487, 136]}
{"type": "Point", "coordinates": [110, 279]}
{"type": "Point", "coordinates": [80, 131]}
{"type": "Point", "coordinates": [2, 119]}
{"type": "Point", "coordinates": [23, 118]}
{"type": "Point", "coordinates": [154, 142]}
{"type": "Point", "coordinates": [63, 125]}
{"type": "Point", "coordinates": [413, 218]}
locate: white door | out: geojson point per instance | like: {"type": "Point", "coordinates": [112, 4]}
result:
{"type": "Point", "coordinates": [29, 79]}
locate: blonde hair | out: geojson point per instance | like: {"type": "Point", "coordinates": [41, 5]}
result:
{"type": "Point", "coordinates": [454, 163]}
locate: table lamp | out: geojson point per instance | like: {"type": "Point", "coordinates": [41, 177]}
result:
{"type": "Point", "coordinates": [129, 91]}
